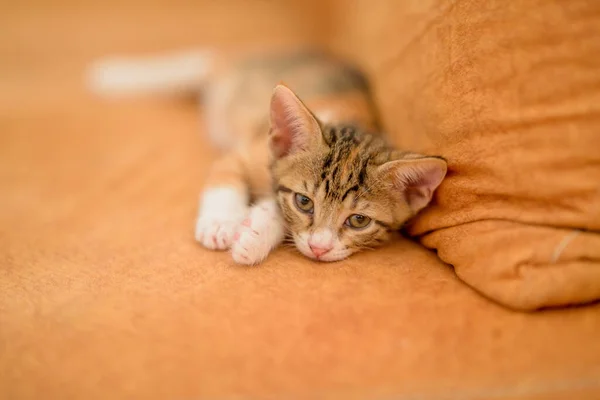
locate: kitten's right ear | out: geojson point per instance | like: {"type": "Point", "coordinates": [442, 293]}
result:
{"type": "Point", "coordinates": [293, 127]}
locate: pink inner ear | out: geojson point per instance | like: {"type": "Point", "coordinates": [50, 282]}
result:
{"type": "Point", "coordinates": [418, 179]}
{"type": "Point", "coordinates": [280, 144]}
{"type": "Point", "coordinates": [292, 125]}
{"type": "Point", "coordinates": [281, 140]}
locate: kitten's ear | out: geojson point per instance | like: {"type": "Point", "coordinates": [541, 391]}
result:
{"type": "Point", "coordinates": [416, 179]}
{"type": "Point", "coordinates": [293, 127]}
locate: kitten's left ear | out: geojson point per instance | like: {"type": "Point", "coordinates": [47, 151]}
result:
{"type": "Point", "coordinates": [417, 179]}
{"type": "Point", "coordinates": [293, 127]}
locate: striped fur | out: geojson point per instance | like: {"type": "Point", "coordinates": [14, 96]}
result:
{"type": "Point", "coordinates": [324, 149]}
{"type": "Point", "coordinates": [340, 176]}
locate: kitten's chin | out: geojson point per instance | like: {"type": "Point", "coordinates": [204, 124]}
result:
{"type": "Point", "coordinates": [333, 257]}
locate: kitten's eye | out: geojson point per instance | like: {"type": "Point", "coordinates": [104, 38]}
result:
{"type": "Point", "coordinates": [303, 203]}
{"type": "Point", "coordinates": [358, 221]}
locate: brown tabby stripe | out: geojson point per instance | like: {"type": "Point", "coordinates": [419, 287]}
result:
{"type": "Point", "coordinates": [287, 211]}
{"type": "Point", "coordinates": [344, 169]}
{"type": "Point", "coordinates": [284, 189]}
{"type": "Point", "coordinates": [383, 225]}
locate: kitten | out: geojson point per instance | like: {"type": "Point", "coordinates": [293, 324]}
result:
{"type": "Point", "coordinates": [313, 169]}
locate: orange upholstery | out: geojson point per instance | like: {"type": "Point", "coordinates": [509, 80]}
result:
{"type": "Point", "coordinates": [105, 295]}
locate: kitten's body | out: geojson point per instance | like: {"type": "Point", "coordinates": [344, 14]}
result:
{"type": "Point", "coordinates": [274, 154]}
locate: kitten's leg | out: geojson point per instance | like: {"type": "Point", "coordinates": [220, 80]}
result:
{"type": "Point", "coordinates": [260, 233]}
{"type": "Point", "coordinates": [223, 203]}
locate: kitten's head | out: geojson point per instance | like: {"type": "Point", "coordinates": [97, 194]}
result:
{"type": "Point", "coordinates": [342, 190]}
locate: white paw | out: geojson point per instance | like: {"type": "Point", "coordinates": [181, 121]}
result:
{"type": "Point", "coordinates": [221, 211]}
{"type": "Point", "coordinates": [216, 233]}
{"type": "Point", "coordinates": [258, 234]}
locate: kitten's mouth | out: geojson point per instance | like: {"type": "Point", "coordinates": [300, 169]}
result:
{"type": "Point", "coordinates": [335, 254]}
{"type": "Point", "coordinates": [331, 256]}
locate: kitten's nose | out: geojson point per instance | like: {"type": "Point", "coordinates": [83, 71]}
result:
{"type": "Point", "coordinates": [318, 251]}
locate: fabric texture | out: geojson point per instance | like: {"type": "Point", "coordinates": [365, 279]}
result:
{"type": "Point", "coordinates": [510, 95]}
{"type": "Point", "coordinates": [104, 293]}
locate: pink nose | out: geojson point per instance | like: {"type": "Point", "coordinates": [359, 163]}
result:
{"type": "Point", "coordinates": [318, 251]}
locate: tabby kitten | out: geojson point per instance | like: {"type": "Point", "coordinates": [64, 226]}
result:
{"type": "Point", "coordinates": [310, 169]}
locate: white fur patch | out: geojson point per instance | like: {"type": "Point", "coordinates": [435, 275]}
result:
{"type": "Point", "coordinates": [172, 72]}
{"type": "Point", "coordinates": [322, 238]}
{"type": "Point", "coordinates": [221, 211]}
{"type": "Point", "coordinates": [260, 233]}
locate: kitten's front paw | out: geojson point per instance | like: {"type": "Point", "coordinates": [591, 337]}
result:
{"type": "Point", "coordinates": [257, 235]}
{"type": "Point", "coordinates": [216, 233]}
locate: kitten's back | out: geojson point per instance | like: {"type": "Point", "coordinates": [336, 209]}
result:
{"type": "Point", "coordinates": [239, 91]}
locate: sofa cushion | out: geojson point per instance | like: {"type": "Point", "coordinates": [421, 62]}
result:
{"type": "Point", "coordinates": [509, 93]}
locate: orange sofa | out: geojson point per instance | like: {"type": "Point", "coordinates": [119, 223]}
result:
{"type": "Point", "coordinates": [105, 294]}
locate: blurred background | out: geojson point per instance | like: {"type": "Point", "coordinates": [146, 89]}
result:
{"type": "Point", "coordinates": [61, 147]}
{"type": "Point", "coordinates": [45, 44]}
{"type": "Point", "coordinates": [102, 287]}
